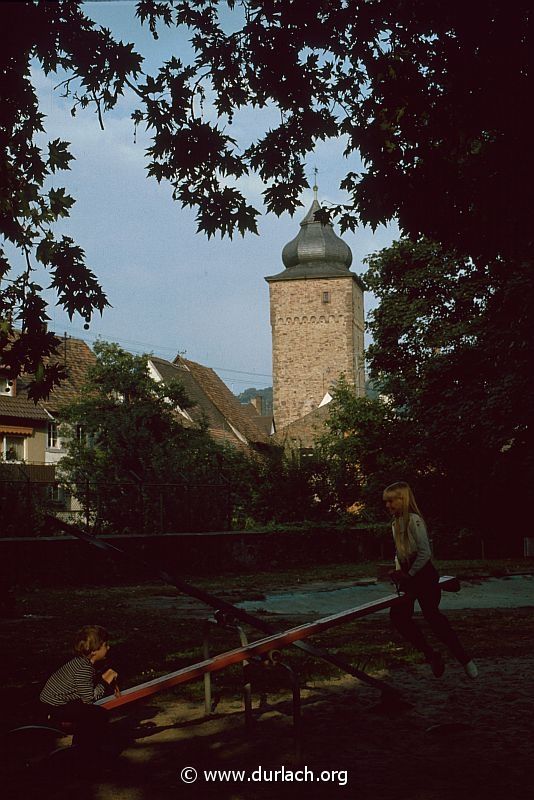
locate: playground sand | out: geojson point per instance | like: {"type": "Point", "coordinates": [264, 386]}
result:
{"type": "Point", "coordinates": [453, 738]}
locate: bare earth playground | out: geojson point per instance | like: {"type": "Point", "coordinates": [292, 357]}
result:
{"type": "Point", "coordinates": [471, 739]}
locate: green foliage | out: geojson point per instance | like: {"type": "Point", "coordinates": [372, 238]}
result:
{"type": "Point", "coordinates": [451, 354]}
{"type": "Point", "coordinates": [287, 487]}
{"type": "Point", "coordinates": [415, 91]}
{"type": "Point", "coordinates": [411, 89]}
{"type": "Point", "coordinates": [63, 40]}
{"type": "Point", "coordinates": [130, 460]}
{"type": "Point", "coordinates": [367, 446]}
{"type": "Point", "coordinates": [266, 394]}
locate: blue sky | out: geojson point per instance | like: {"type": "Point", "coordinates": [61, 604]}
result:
{"type": "Point", "coordinates": [171, 289]}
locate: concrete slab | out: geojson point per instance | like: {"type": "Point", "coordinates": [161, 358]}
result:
{"type": "Point", "coordinates": [508, 592]}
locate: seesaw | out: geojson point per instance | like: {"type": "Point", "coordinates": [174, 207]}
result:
{"type": "Point", "coordinates": [226, 612]}
{"type": "Point", "coordinates": [265, 647]}
{"type": "Point", "coordinates": [268, 646]}
{"type": "Point", "coordinates": [262, 647]}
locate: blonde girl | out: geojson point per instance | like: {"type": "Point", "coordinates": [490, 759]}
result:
{"type": "Point", "coordinates": [417, 577]}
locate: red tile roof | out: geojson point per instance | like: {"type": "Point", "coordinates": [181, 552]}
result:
{"type": "Point", "coordinates": [203, 406]}
{"type": "Point", "coordinates": [20, 407]}
{"type": "Point", "coordinates": [227, 403]}
{"type": "Point", "coordinates": [77, 357]}
{"type": "Point", "coordinates": [305, 431]}
{"type": "Point", "coordinates": [227, 422]}
{"type": "Point", "coordinates": [262, 421]}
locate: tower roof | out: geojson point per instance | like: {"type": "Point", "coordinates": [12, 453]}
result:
{"type": "Point", "coordinates": [316, 252]}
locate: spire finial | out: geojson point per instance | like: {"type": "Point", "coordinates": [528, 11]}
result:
{"type": "Point", "coordinates": [315, 187]}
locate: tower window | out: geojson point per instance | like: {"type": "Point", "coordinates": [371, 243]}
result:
{"type": "Point", "coordinates": [326, 297]}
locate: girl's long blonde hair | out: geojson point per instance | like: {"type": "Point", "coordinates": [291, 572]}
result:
{"type": "Point", "coordinates": [404, 543]}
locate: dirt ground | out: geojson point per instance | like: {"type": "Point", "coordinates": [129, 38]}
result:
{"type": "Point", "coordinates": [454, 738]}
{"type": "Point", "coordinates": [449, 738]}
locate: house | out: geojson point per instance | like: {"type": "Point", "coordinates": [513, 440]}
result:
{"type": "Point", "coordinates": [30, 433]}
{"type": "Point", "coordinates": [301, 434]}
{"type": "Point", "coordinates": [32, 438]}
{"type": "Point", "coordinates": [227, 420]}
{"type": "Point", "coordinates": [23, 424]}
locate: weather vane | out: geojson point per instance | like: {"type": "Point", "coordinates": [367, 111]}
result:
{"type": "Point", "coordinates": [315, 187]}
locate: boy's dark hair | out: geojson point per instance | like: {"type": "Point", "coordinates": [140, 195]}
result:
{"type": "Point", "coordinates": [90, 638]}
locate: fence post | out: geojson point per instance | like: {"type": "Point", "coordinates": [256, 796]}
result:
{"type": "Point", "coordinates": [229, 509]}
{"type": "Point", "coordinates": [87, 510]}
{"type": "Point", "coordinates": [29, 510]}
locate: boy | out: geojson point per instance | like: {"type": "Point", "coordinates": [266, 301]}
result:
{"type": "Point", "coordinates": [70, 693]}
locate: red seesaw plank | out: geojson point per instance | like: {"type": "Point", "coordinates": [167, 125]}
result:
{"type": "Point", "coordinates": [221, 605]}
{"type": "Point", "coordinates": [276, 641]}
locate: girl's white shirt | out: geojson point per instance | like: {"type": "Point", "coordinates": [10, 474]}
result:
{"type": "Point", "coordinates": [418, 537]}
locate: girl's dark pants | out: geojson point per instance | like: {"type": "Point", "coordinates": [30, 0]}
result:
{"type": "Point", "coordinates": [90, 723]}
{"type": "Point", "coordinates": [424, 587]}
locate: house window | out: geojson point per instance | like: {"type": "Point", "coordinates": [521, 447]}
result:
{"type": "Point", "coordinates": [12, 448]}
{"type": "Point", "coordinates": [84, 437]}
{"type": "Point", "coordinates": [52, 441]}
{"type": "Point", "coordinates": [56, 495]}
{"type": "Point", "coordinates": [326, 297]}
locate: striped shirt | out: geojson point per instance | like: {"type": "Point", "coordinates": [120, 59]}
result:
{"type": "Point", "coordinates": [75, 680]}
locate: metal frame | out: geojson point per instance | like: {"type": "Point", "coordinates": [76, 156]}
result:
{"type": "Point", "coordinates": [271, 659]}
{"type": "Point", "coordinates": [223, 606]}
{"type": "Point", "coordinates": [240, 654]}
{"type": "Point", "coordinates": [228, 614]}
{"type": "Point", "coordinates": [219, 620]}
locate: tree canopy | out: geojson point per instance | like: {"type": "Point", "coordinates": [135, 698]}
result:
{"type": "Point", "coordinates": [365, 447]}
{"type": "Point", "coordinates": [130, 459]}
{"type": "Point", "coordinates": [428, 98]}
{"type": "Point", "coordinates": [452, 354]}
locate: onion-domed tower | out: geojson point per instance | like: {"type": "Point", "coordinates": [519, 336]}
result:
{"type": "Point", "coordinates": [317, 320]}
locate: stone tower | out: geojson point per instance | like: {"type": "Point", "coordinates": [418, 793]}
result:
{"type": "Point", "coordinates": [317, 321]}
